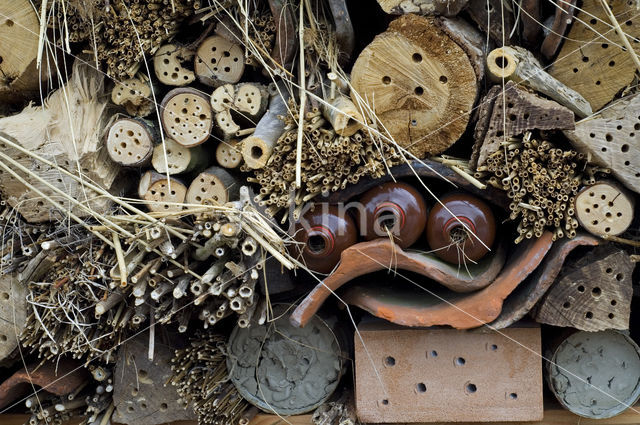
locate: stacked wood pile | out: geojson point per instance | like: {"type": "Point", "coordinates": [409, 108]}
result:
{"type": "Point", "coordinates": [203, 204]}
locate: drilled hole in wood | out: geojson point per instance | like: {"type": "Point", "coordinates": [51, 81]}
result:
{"type": "Point", "coordinates": [493, 347]}
{"type": "Point", "coordinates": [421, 388]}
{"type": "Point", "coordinates": [5, 295]}
{"type": "Point", "coordinates": [134, 392]}
{"type": "Point", "coordinates": [596, 292]}
{"type": "Point", "coordinates": [3, 338]}
{"type": "Point", "coordinates": [433, 353]}
{"type": "Point", "coordinates": [585, 59]}
{"type": "Point", "coordinates": [390, 361]}
{"type": "Point", "coordinates": [619, 277]}
{"type": "Point", "coordinates": [443, 79]}
{"type": "Point", "coordinates": [612, 63]}
{"type": "Point", "coordinates": [611, 315]}
{"type": "Point", "coordinates": [164, 407]}
{"type": "Point", "coordinates": [417, 57]}
{"type": "Point", "coordinates": [575, 69]}
{"type": "Point", "coordinates": [460, 361]}
{"type": "Point", "coordinates": [588, 315]}
{"type": "Point", "coordinates": [593, 21]}
{"type": "Point", "coordinates": [385, 402]}
{"type": "Point", "coordinates": [419, 91]}
{"type": "Point", "coordinates": [614, 302]}
{"type": "Point", "coordinates": [608, 137]}
{"type": "Point", "coordinates": [624, 148]}
{"type": "Point", "coordinates": [143, 405]}
{"type": "Point", "coordinates": [566, 304]}
{"type": "Point", "coordinates": [130, 409]}
{"type": "Point", "coordinates": [604, 45]}
{"type": "Point", "coordinates": [581, 288]}
{"type": "Point", "coordinates": [513, 396]}
{"type": "Point", "coordinates": [470, 388]}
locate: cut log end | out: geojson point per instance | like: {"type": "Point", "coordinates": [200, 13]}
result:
{"type": "Point", "coordinates": [229, 154]}
{"type": "Point", "coordinates": [134, 95]}
{"type": "Point", "coordinates": [169, 65]}
{"type": "Point", "coordinates": [212, 185]}
{"type": "Point", "coordinates": [222, 98]}
{"type": "Point", "coordinates": [219, 61]}
{"type": "Point", "coordinates": [423, 83]}
{"type": "Point", "coordinates": [158, 196]}
{"type": "Point", "coordinates": [129, 143]}
{"type": "Point", "coordinates": [177, 160]}
{"type": "Point", "coordinates": [187, 116]}
{"type": "Point", "coordinates": [604, 209]}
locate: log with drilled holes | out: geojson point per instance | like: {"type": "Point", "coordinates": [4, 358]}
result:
{"type": "Point", "coordinates": [134, 94]}
{"type": "Point", "coordinates": [173, 158]}
{"type": "Point", "coordinates": [605, 208]}
{"type": "Point", "coordinates": [219, 61]}
{"type": "Point", "coordinates": [161, 193]}
{"type": "Point", "coordinates": [213, 184]}
{"type": "Point", "coordinates": [592, 294]}
{"type": "Point", "coordinates": [186, 116]}
{"type": "Point", "coordinates": [170, 65]}
{"type": "Point", "coordinates": [129, 142]}
{"type": "Point", "coordinates": [416, 78]}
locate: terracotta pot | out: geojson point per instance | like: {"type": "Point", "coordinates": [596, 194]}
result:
{"type": "Point", "coordinates": [449, 238]}
{"type": "Point", "coordinates": [397, 207]}
{"type": "Point", "coordinates": [322, 235]}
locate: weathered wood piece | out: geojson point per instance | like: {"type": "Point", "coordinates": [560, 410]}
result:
{"type": "Point", "coordinates": [412, 307]}
{"type": "Point", "coordinates": [519, 65]}
{"type": "Point", "coordinates": [594, 374]}
{"type": "Point", "coordinates": [592, 294]}
{"type": "Point", "coordinates": [213, 184]}
{"type": "Point", "coordinates": [286, 44]}
{"type": "Point", "coordinates": [531, 22]}
{"type": "Point", "coordinates": [170, 65]}
{"type": "Point", "coordinates": [527, 294]}
{"type": "Point", "coordinates": [420, 83]}
{"type": "Point", "coordinates": [605, 208]}
{"type": "Point", "coordinates": [139, 391]}
{"type": "Point", "coordinates": [159, 194]}
{"type": "Point", "coordinates": [257, 148]}
{"type": "Point", "coordinates": [428, 375]}
{"type": "Point", "coordinates": [129, 142]}
{"type": "Point", "coordinates": [343, 116]}
{"type": "Point", "coordinates": [561, 21]}
{"type": "Point", "coordinates": [13, 313]}
{"type": "Point", "coordinates": [218, 61]}
{"type": "Point", "coordinates": [134, 94]}
{"type": "Point", "coordinates": [490, 16]}
{"type": "Point", "coordinates": [593, 60]}
{"type": "Point", "coordinates": [19, 76]}
{"type": "Point", "coordinates": [247, 101]}
{"type": "Point", "coordinates": [609, 138]}
{"type": "Point", "coordinates": [186, 116]}
{"type": "Point", "coordinates": [469, 39]}
{"type": "Point", "coordinates": [229, 154]}
{"type": "Point", "coordinates": [66, 131]}
{"type": "Point", "coordinates": [423, 7]}
{"type": "Point", "coordinates": [524, 112]}
{"type": "Point", "coordinates": [345, 37]}
{"type": "Point", "coordinates": [179, 159]}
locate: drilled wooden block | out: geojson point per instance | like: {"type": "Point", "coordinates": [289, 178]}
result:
{"type": "Point", "coordinates": [431, 375]}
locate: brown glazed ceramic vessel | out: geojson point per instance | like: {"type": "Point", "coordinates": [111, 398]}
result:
{"type": "Point", "coordinates": [443, 229]}
{"type": "Point", "coordinates": [398, 207]}
{"type": "Point", "coordinates": [322, 235]}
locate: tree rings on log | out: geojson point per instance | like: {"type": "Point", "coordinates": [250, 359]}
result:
{"type": "Point", "coordinates": [179, 159]}
{"type": "Point", "coordinates": [158, 196]}
{"type": "Point", "coordinates": [595, 375]}
{"type": "Point", "coordinates": [420, 83]}
{"type": "Point", "coordinates": [169, 65]}
{"type": "Point", "coordinates": [604, 208]}
{"type": "Point", "coordinates": [592, 294]}
{"type": "Point", "coordinates": [228, 154]}
{"type": "Point", "coordinates": [187, 116]}
{"type": "Point", "coordinates": [213, 184]}
{"type": "Point", "coordinates": [129, 142]}
{"type": "Point", "coordinates": [594, 62]}
{"type": "Point", "coordinates": [219, 61]}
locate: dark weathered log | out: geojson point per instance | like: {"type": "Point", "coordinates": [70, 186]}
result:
{"type": "Point", "coordinates": [344, 29]}
{"type": "Point", "coordinates": [286, 43]}
{"type": "Point", "coordinates": [531, 22]}
{"type": "Point", "coordinates": [524, 112]}
{"type": "Point", "coordinates": [490, 16]}
{"type": "Point", "coordinates": [562, 19]}
{"type": "Point", "coordinates": [591, 294]}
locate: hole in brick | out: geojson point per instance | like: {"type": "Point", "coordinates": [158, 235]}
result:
{"type": "Point", "coordinates": [470, 388]}
{"type": "Point", "coordinates": [421, 388]}
{"type": "Point", "coordinates": [460, 361]}
{"type": "Point", "coordinates": [596, 292]}
{"type": "Point", "coordinates": [390, 361]}
{"type": "Point", "coordinates": [588, 315]}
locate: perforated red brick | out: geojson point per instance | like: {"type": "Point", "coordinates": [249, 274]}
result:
{"type": "Point", "coordinates": [424, 375]}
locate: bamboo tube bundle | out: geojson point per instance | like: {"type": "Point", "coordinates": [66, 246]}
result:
{"type": "Point", "coordinates": [200, 375]}
{"type": "Point", "coordinates": [542, 182]}
{"type": "Point", "coordinates": [330, 162]}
